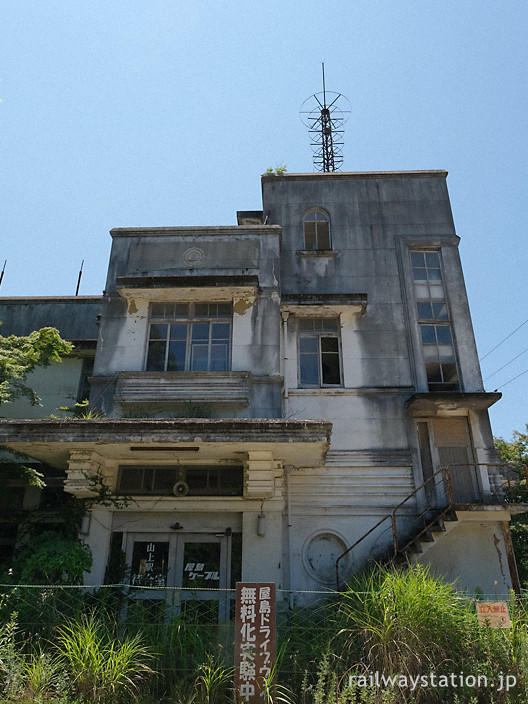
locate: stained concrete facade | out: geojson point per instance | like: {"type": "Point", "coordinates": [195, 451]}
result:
{"type": "Point", "coordinates": [326, 345]}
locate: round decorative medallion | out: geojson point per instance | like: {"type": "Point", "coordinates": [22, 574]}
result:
{"type": "Point", "coordinates": [193, 256]}
{"type": "Point", "coordinates": [320, 554]}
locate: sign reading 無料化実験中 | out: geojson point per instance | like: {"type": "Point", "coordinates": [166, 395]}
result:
{"type": "Point", "coordinates": [255, 637]}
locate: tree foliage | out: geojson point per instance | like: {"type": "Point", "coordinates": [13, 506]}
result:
{"type": "Point", "coordinates": [21, 355]}
{"type": "Point", "coordinates": [516, 451]}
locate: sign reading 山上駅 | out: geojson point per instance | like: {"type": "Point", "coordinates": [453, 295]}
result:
{"type": "Point", "coordinates": [255, 637]}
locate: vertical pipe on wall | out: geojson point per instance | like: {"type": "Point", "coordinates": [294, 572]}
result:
{"type": "Point", "coordinates": [287, 472]}
{"type": "Point", "coordinates": [284, 359]}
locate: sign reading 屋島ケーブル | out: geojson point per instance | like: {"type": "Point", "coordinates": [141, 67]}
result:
{"type": "Point", "coordinates": [254, 638]}
{"type": "Point", "coordinates": [494, 614]}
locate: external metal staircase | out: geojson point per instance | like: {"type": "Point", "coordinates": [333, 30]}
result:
{"type": "Point", "coordinates": [415, 533]}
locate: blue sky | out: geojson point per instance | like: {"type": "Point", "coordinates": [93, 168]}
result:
{"type": "Point", "coordinates": [135, 113]}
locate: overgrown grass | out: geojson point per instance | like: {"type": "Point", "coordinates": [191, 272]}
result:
{"type": "Point", "coordinates": [400, 623]}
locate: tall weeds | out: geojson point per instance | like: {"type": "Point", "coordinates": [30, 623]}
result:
{"type": "Point", "coordinates": [103, 669]}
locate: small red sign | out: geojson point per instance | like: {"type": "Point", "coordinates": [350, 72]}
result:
{"type": "Point", "coordinates": [255, 637]}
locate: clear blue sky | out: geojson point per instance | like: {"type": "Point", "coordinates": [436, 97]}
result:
{"type": "Point", "coordinates": [161, 112]}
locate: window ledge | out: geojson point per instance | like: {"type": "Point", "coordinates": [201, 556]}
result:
{"type": "Point", "coordinates": [317, 253]}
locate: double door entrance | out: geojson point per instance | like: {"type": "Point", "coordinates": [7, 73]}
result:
{"type": "Point", "coordinates": [190, 572]}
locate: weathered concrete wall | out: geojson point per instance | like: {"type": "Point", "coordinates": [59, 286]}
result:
{"type": "Point", "coordinates": [75, 317]}
{"type": "Point", "coordinates": [473, 553]}
{"type": "Point", "coordinates": [57, 385]}
{"type": "Point", "coordinates": [239, 265]}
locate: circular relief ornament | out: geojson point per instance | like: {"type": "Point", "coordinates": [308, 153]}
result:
{"type": "Point", "coordinates": [193, 256]}
{"type": "Point", "coordinates": [320, 555]}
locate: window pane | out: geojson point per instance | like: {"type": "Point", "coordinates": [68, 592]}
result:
{"type": "Point", "coordinates": [434, 274]}
{"type": "Point", "coordinates": [176, 358]}
{"type": "Point", "coordinates": [428, 334]}
{"type": "Point", "coordinates": [157, 310]}
{"type": "Point", "coordinates": [425, 311]}
{"type": "Point", "coordinates": [330, 360]}
{"type": "Point", "coordinates": [178, 331]}
{"type": "Point", "coordinates": [181, 310]}
{"type": "Point", "coordinates": [199, 357]}
{"type": "Point", "coordinates": [323, 235]}
{"type": "Point", "coordinates": [440, 311]}
{"type": "Point", "coordinates": [158, 332]}
{"type": "Point", "coordinates": [419, 275]}
{"type": "Point", "coordinates": [200, 331]}
{"type": "Point", "coordinates": [309, 369]}
{"type": "Point", "coordinates": [418, 259]}
{"type": "Point", "coordinates": [131, 479]}
{"type": "Point", "coordinates": [330, 324]}
{"type": "Point", "coordinates": [443, 334]}
{"type": "Point", "coordinates": [308, 345]}
{"type": "Point", "coordinates": [219, 358]}
{"type": "Point", "coordinates": [225, 310]}
{"type": "Point", "coordinates": [201, 310]}
{"type": "Point", "coordinates": [309, 235]}
{"type": "Point", "coordinates": [221, 331]}
{"type": "Point", "coordinates": [164, 480]}
{"type": "Point", "coordinates": [156, 356]}
{"type": "Point", "coordinates": [432, 260]}
{"type": "Point", "coordinates": [305, 324]}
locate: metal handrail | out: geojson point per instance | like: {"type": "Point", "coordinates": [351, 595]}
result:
{"type": "Point", "coordinates": [354, 545]}
{"type": "Point", "coordinates": [444, 508]}
{"type": "Point", "coordinates": [419, 488]}
{"type": "Point", "coordinates": [392, 517]}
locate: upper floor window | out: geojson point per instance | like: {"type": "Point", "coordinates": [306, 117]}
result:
{"type": "Point", "coordinates": [319, 352]}
{"type": "Point", "coordinates": [190, 337]}
{"type": "Point", "coordinates": [433, 319]}
{"type": "Point", "coordinates": [316, 230]}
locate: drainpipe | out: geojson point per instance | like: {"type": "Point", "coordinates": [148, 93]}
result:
{"type": "Point", "coordinates": [285, 316]}
{"type": "Point", "coordinates": [287, 472]}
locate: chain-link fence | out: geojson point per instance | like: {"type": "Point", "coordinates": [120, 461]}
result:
{"type": "Point", "coordinates": [183, 629]}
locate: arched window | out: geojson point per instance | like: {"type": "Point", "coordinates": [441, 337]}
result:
{"type": "Point", "coordinates": [316, 230]}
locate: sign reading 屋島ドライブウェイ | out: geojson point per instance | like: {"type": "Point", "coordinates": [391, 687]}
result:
{"type": "Point", "coordinates": [254, 638]}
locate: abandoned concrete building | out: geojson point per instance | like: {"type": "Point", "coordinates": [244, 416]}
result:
{"type": "Point", "coordinates": [277, 392]}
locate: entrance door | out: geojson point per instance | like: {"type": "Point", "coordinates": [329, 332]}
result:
{"type": "Point", "coordinates": [445, 442]}
{"type": "Point", "coordinates": [189, 571]}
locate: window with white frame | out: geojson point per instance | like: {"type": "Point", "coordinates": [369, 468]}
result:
{"type": "Point", "coordinates": [316, 230]}
{"type": "Point", "coordinates": [433, 319]}
{"type": "Point", "coordinates": [319, 352]}
{"type": "Point", "coordinates": [190, 337]}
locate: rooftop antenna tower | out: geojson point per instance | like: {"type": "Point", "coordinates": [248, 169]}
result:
{"type": "Point", "coordinates": [325, 114]}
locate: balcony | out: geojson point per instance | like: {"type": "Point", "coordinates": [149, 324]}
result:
{"type": "Point", "coordinates": [164, 388]}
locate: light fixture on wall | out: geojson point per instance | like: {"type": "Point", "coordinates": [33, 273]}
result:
{"type": "Point", "coordinates": [176, 526]}
{"type": "Point", "coordinates": [85, 524]}
{"type": "Point", "coordinates": [262, 527]}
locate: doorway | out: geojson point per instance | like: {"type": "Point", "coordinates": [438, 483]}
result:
{"type": "Point", "coordinates": [190, 572]}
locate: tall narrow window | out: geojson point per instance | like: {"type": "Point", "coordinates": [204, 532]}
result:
{"type": "Point", "coordinates": [189, 337]}
{"type": "Point", "coordinates": [316, 230]}
{"type": "Point", "coordinates": [319, 353]}
{"type": "Point", "coordinates": [433, 319]}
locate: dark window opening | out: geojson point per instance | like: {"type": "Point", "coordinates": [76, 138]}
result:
{"type": "Point", "coordinates": [316, 231]}
{"type": "Point", "coordinates": [201, 480]}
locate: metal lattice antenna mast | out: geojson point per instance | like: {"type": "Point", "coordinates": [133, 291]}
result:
{"type": "Point", "coordinates": [325, 121]}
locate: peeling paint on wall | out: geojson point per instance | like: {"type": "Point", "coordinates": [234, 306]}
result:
{"type": "Point", "coordinates": [242, 305]}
